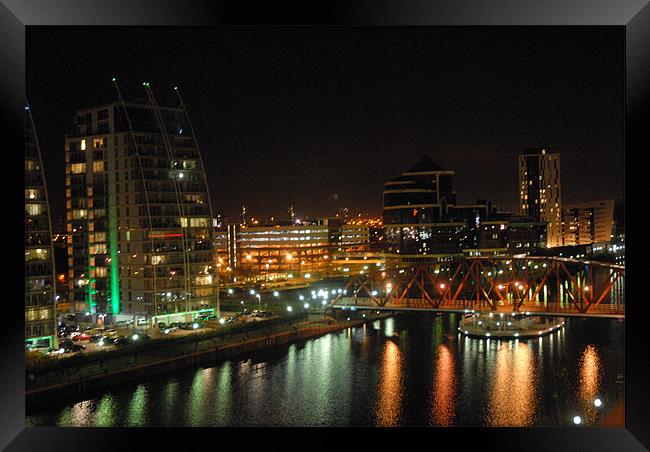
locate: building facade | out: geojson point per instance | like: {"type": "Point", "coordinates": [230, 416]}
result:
{"type": "Point", "coordinates": [288, 251]}
{"type": "Point", "coordinates": [540, 191]}
{"type": "Point", "coordinates": [40, 285]}
{"type": "Point", "coordinates": [591, 222]}
{"type": "Point", "coordinates": [139, 218]}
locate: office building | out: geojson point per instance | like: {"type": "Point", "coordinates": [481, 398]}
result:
{"type": "Point", "coordinates": [139, 217]}
{"type": "Point", "coordinates": [540, 191]}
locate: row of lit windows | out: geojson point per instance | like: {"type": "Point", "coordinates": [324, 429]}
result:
{"type": "Point", "coordinates": [79, 168]}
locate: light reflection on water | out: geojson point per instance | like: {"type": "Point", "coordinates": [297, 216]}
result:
{"type": "Point", "coordinates": [512, 395]}
{"type": "Point", "coordinates": [589, 381]}
{"type": "Point", "coordinates": [390, 387]}
{"type": "Point", "coordinates": [443, 392]}
{"type": "Point", "coordinates": [408, 370]}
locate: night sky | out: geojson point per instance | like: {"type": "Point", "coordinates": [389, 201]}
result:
{"type": "Point", "coordinates": [308, 115]}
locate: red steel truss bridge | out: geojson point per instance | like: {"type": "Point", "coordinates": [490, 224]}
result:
{"type": "Point", "coordinates": [541, 285]}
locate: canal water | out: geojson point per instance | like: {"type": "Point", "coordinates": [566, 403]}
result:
{"type": "Point", "coordinates": [413, 369]}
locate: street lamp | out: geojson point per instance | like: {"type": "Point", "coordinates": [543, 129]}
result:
{"type": "Point", "coordinates": [222, 321]}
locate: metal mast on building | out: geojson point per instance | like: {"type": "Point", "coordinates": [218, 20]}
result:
{"type": "Point", "coordinates": [205, 182]}
{"type": "Point", "coordinates": [55, 341]}
{"type": "Point", "coordinates": [170, 153]}
{"type": "Point", "coordinates": [146, 197]}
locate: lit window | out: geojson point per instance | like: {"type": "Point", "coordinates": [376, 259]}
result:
{"type": "Point", "coordinates": [101, 272]}
{"type": "Point", "coordinates": [98, 166]}
{"type": "Point", "coordinates": [98, 142]}
{"type": "Point", "coordinates": [78, 168]}
{"type": "Point", "coordinates": [78, 214]}
{"type": "Point", "coordinates": [83, 145]}
{"type": "Point", "coordinates": [34, 209]}
{"type": "Point", "coordinates": [31, 193]}
{"type": "Point", "coordinates": [37, 254]}
{"type": "Point", "coordinates": [203, 280]}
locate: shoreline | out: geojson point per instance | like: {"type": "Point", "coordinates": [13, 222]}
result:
{"type": "Point", "coordinates": [96, 377]}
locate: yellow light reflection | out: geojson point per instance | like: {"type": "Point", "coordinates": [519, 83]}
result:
{"type": "Point", "coordinates": [443, 402]}
{"type": "Point", "coordinates": [513, 395]}
{"type": "Point", "coordinates": [390, 387]}
{"type": "Point", "coordinates": [589, 381]}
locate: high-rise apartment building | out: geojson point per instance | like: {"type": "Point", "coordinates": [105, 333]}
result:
{"type": "Point", "coordinates": [540, 191]}
{"type": "Point", "coordinates": [589, 222]}
{"type": "Point", "coordinates": [139, 218]}
{"type": "Point", "coordinates": [40, 316]}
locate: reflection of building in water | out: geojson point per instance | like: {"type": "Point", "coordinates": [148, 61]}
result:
{"type": "Point", "coordinates": [443, 397]}
{"type": "Point", "coordinates": [589, 382]}
{"type": "Point", "coordinates": [389, 401]}
{"type": "Point", "coordinates": [513, 394]}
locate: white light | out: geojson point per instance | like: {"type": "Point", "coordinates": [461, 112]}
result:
{"type": "Point", "coordinates": [169, 294]}
{"type": "Point", "coordinates": [307, 275]}
{"type": "Point", "coordinates": [135, 337]}
{"type": "Point", "coordinates": [276, 293]}
{"type": "Point", "coordinates": [301, 298]}
{"type": "Point", "coordinates": [487, 334]}
{"type": "Point", "coordinates": [289, 308]}
{"type": "Point", "coordinates": [100, 343]}
{"type": "Point", "coordinates": [374, 293]}
{"type": "Point", "coordinates": [598, 403]}
{"type": "Point", "coordinates": [306, 305]}
{"type": "Point", "coordinates": [516, 334]}
{"type": "Point", "coordinates": [252, 292]}
{"type": "Point", "coordinates": [166, 331]}
{"type": "Point", "coordinates": [195, 325]}
{"type": "Point", "coordinates": [577, 420]}
{"type": "Point", "coordinates": [222, 320]}
{"type": "Point", "coordinates": [230, 291]}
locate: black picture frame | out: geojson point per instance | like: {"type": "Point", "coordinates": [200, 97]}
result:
{"type": "Point", "coordinates": [634, 16]}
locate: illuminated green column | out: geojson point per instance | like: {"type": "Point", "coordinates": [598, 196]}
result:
{"type": "Point", "coordinates": [112, 231]}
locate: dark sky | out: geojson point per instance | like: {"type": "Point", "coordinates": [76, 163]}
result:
{"type": "Point", "coordinates": [297, 115]}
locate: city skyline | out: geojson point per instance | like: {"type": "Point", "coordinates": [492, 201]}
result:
{"type": "Point", "coordinates": [271, 121]}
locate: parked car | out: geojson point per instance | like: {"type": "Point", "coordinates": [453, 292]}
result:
{"type": "Point", "coordinates": [139, 336]}
{"type": "Point", "coordinates": [161, 325]}
{"type": "Point", "coordinates": [77, 336]}
{"type": "Point", "coordinates": [96, 338]}
{"type": "Point", "coordinates": [169, 329]}
{"type": "Point", "coordinates": [121, 341]}
{"type": "Point", "coordinates": [69, 346]}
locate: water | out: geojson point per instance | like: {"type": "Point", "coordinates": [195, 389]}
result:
{"type": "Point", "coordinates": [428, 375]}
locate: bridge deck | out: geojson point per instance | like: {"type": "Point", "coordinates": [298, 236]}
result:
{"type": "Point", "coordinates": [551, 309]}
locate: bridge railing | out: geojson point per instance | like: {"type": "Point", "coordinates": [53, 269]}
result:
{"type": "Point", "coordinates": [603, 308]}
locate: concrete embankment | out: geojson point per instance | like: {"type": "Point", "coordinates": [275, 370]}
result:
{"type": "Point", "coordinates": [67, 382]}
